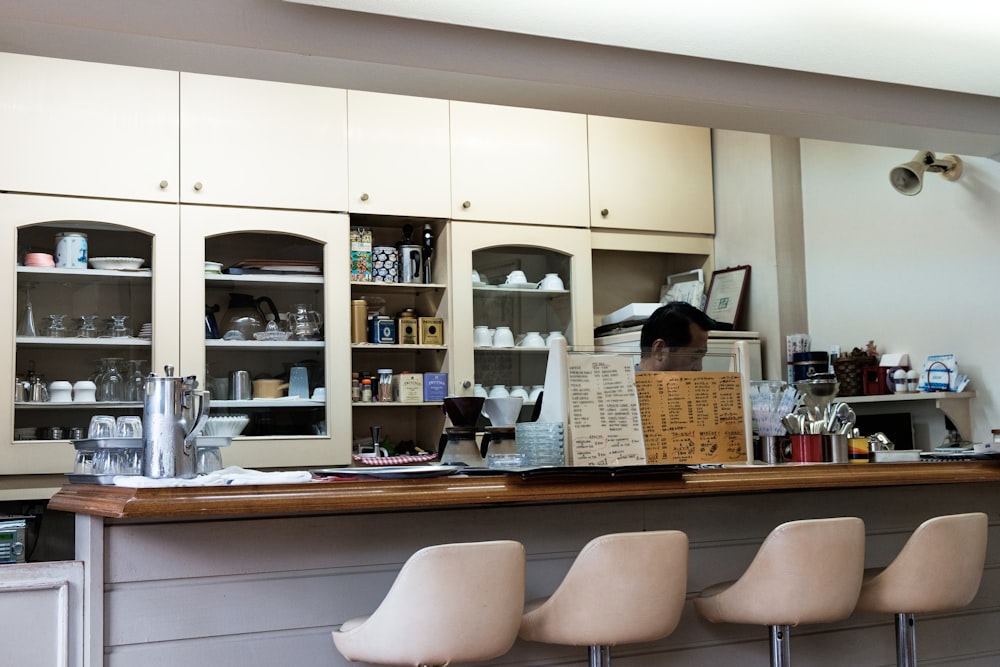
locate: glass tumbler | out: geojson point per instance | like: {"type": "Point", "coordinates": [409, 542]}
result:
{"type": "Point", "coordinates": [101, 427]}
{"type": "Point", "coordinates": [209, 460]}
{"type": "Point", "coordinates": [128, 426]}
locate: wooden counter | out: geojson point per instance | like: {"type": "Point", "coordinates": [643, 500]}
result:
{"type": "Point", "coordinates": [331, 497]}
{"type": "Point", "coordinates": [256, 576]}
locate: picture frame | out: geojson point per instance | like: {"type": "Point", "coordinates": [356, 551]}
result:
{"type": "Point", "coordinates": [727, 293]}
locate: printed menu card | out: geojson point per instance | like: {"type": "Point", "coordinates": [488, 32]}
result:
{"type": "Point", "coordinates": [692, 417]}
{"type": "Point", "coordinates": [603, 411]}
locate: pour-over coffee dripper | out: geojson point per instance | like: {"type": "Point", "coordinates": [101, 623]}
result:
{"type": "Point", "coordinates": [463, 411]}
{"type": "Point", "coordinates": [818, 391]}
{"type": "Point", "coordinates": [502, 411]}
{"type": "Point", "coordinates": [458, 442]}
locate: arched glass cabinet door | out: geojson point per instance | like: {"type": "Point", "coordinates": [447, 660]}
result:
{"type": "Point", "coordinates": [274, 264]}
{"type": "Point", "coordinates": [554, 297]}
{"type": "Point", "coordinates": [108, 320]}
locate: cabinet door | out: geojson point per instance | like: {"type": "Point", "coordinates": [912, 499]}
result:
{"type": "Point", "coordinates": [88, 129]}
{"type": "Point", "coordinates": [148, 299]}
{"type": "Point", "coordinates": [494, 251]}
{"type": "Point", "coordinates": [286, 259]}
{"type": "Point", "coordinates": [399, 157]}
{"type": "Point", "coordinates": [518, 165]}
{"type": "Point", "coordinates": [650, 176]}
{"type": "Point", "coordinates": [262, 143]}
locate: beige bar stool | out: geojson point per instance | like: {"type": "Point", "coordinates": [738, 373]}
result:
{"type": "Point", "coordinates": [622, 588]}
{"type": "Point", "coordinates": [804, 572]}
{"type": "Point", "coordinates": [450, 603]}
{"type": "Point", "coordinates": [938, 569]}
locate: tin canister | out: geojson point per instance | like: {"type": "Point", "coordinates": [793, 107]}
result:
{"type": "Point", "coordinates": [857, 450]}
{"type": "Point", "coordinates": [359, 320]}
{"type": "Point", "coordinates": [71, 250]}
{"type": "Point", "coordinates": [385, 264]}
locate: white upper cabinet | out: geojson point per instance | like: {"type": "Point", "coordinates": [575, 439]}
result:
{"type": "Point", "coordinates": [399, 157]}
{"type": "Point", "coordinates": [650, 176]}
{"type": "Point", "coordinates": [518, 165]}
{"type": "Point", "coordinates": [78, 128]}
{"type": "Point", "coordinates": [262, 144]}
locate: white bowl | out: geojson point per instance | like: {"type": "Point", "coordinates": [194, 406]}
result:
{"type": "Point", "coordinates": [117, 263]}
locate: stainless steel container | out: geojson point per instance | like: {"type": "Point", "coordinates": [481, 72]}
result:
{"type": "Point", "coordinates": [411, 261]}
{"type": "Point", "coordinates": [170, 425]}
{"type": "Point", "coordinates": [239, 386]}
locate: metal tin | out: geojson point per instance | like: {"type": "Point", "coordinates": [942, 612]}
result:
{"type": "Point", "coordinates": [71, 250]}
{"type": "Point", "coordinates": [359, 320]}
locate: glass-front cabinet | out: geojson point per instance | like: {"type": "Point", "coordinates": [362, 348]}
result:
{"type": "Point", "coordinates": [261, 323]}
{"type": "Point", "coordinates": [83, 331]}
{"type": "Point", "coordinates": [414, 345]}
{"type": "Point", "coordinates": [515, 288]}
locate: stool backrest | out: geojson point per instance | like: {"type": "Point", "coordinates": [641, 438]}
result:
{"type": "Point", "coordinates": [622, 588]}
{"type": "Point", "coordinates": [940, 566]}
{"type": "Point", "coordinates": [457, 602]}
{"type": "Point", "coordinates": [807, 571]}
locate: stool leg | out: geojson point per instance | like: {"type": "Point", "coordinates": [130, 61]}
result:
{"type": "Point", "coordinates": [906, 640]}
{"type": "Point", "coordinates": [780, 648]}
{"type": "Point", "coordinates": [600, 656]}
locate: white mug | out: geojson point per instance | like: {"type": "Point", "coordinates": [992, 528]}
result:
{"type": "Point", "coordinates": [532, 339]}
{"type": "Point", "coordinates": [503, 337]}
{"type": "Point", "coordinates": [475, 277]}
{"type": "Point", "coordinates": [516, 278]}
{"type": "Point", "coordinates": [481, 337]}
{"type": "Point", "coordinates": [499, 391]}
{"type": "Point", "coordinates": [551, 281]}
{"type": "Point", "coordinates": [60, 391]}
{"type": "Point", "coordinates": [480, 390]}
{"type": "Point", "coordinates": [84, 391]}
{"type": "Point", "coordinates": [536, 391]}
{"type": "Point", "coordinates": [518, 391]}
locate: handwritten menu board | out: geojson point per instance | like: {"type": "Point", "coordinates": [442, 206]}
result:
{"type": "Point", "coordinates": [604, 424]}
{"type": "Point", "coordinates": [692, 417]}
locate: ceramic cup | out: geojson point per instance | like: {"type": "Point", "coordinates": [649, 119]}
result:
{"type": "Point", "coordinates": [481, 337]}
{"type": "Point", "coordinates": [475, 277]}
{"type": "Point", "coordinates": [502, 411]}
{"type": "Point", "coordinates": [552, 337]}
{"type": "Point", "coordinates": [60, 392]}
{"type": "Point", "coordinates": [516, 278]}
{"type": "Point", "coordinates": [499, 391]}
{"type": "Point", "coordinates": [268, 388]}
{"type": "Point", "coordinates": [503, 337]}
{"type": "Point", "coordinates": [532, 339]}
{"type": "Point", "coordinates": [519, 391]}
{"type": "Point", "coordinates": [84, 391]}
{"type": "Point", "coordinates": [551, 281]}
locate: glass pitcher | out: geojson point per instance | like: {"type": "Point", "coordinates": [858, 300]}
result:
{"type": "Point", "coordinates": [305, 323]}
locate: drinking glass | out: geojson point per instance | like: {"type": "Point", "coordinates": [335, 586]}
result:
{"type": "Point", "coordinates": [57, 329]}
{"type": "Point", "coordinates": [135, 378]}
{"type": "Point", "coordinates": [101, 426]}
{"type": "Point", "coordinates": [129, 426]}
{"type": "Point", "coordinates": [111, 385]}
{"type": "Point", "coordinates": [118, 328]}
{"type": "Point", "coordinates": [84, 464]}
{"type": "Point", "coordinates": [26, 324]}
{"type": "Point", "coordinates": [87, 328]}
{"type": "Point", "coordinates": [209, 460]}
{"type": "Point", "coordinates": [109, 461]}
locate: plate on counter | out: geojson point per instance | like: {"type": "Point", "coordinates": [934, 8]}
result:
{"type": "Point", "coordinates": [389, 472]}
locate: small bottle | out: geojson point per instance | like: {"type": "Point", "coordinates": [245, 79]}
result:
{"type": "Point", "coordinates": [355, 387]}
{"type": "Point", "coordinates": [366, 391]}
{"type": "Point", "coordinates": [385, 385]}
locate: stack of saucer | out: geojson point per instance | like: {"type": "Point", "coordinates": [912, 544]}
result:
{"type": "Point", "coordinates": [39, 259]}
{"type": "Point", "coordinates": [540, 443]}
{"type": "Point", "coordinates": [146, 332]}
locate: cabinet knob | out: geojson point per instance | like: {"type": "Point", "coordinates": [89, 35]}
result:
{"type": "Point", "coordinates": [197, 185]}
{"type": "Point", "coordinates": [163, 185]}
{"type": "Point", "coordinates": [604, 212]}
{"type": "Point", "coordinates": [364, 196]}
{"type": "Point", "coordinates": [466, 384]}
{"type": "Point", "coordinates": [466, 204]}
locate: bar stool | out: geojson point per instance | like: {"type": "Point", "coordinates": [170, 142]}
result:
{"type": "Point", "coordinates": [938, 569]}
{"type": "Point", "coordinates": [622, 588]}
{"type": "Point", "coordinates": [449, 603]}
{"type": "Point", "coordinates": [805, 572]}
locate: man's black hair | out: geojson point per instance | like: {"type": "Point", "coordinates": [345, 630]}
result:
{"type": "Point", "coordinates": [672, 323]}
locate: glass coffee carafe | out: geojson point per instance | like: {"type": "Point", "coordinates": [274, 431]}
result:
{"type": "Point", "coordinates": [305, 323]}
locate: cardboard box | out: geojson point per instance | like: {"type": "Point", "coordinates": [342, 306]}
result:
{"type": "Point", "coordinates": [361, 254]}
{"type": "Point", "coordinates": [431, 331]}
{"type": "Point", "coordinates": [435, 386]}
{"type": "Point", "coordinates": [408, 387]}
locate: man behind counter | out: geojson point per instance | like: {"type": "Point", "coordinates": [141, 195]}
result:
{"type": "Point", "coordinates": [675, 338]}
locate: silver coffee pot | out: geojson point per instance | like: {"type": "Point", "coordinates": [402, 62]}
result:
{"type": "Point", "coordinates": [171, 424]}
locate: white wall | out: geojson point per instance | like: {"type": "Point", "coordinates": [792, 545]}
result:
{"type": "Point", "coordinates": [915, 274]}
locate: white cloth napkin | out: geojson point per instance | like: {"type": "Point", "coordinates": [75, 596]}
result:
{"type": "Point", "coordinates": [231, 476]}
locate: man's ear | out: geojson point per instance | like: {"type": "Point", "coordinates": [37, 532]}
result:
{"type": "Point", "coordinates": [660, 350]}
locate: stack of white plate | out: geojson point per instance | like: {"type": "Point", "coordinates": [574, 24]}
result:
{"type": "Point", "coordinates": [227, 425]}
{"type": "Point", "coordinates": [146, 331]}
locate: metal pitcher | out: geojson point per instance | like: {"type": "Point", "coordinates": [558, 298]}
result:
{"type": "Point", "coordinates": [170, 424]}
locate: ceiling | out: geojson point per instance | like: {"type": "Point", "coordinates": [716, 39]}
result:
{"type": "Point", "coordinates": [871, 73]}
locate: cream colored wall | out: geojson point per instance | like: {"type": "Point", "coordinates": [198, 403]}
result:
{"type": "Point", "coordinates": [915, 274]}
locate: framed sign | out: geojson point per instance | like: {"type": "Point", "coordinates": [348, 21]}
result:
{"type": "Point", "coordinates": [726, 294]}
